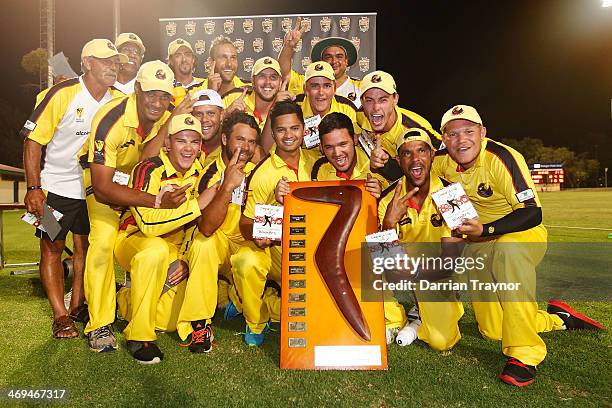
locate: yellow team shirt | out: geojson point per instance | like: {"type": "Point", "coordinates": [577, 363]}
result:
{"type": "Point", "coordinates": [249, 101]}
{"type": "Point", "coordinates": [150, 175]}
{"type": "Point", "coordinates": [404, 121]}
{"type": "Point", "coordinates": [339, 104]}
{"type": "Point", "coordinates": [212, 174]}
{"type": "Point", "coordinates": [497, 184]}
{"type": "Point", "coordinates": [181, 90]}
{"type": "Point", "coordinates": [296, 87]}
{"type": "Point", "coordinates": [418, 225]}
{"type": "Point", "coordinates": [116, 138]}
{"type": "Point", "coordinates": [323, 170]}
{"type": "Point", "coordinates": [265, 176]}
{"type": "Point", "coordinates": [207, 158]}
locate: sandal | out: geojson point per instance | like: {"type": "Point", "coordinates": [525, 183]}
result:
{"type": "Point", "coordinates": [80, 314]}
{"type": "Point", "coordinates": [63, 328]}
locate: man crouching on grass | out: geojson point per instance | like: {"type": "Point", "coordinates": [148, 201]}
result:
{"type": "Point", "coordinates": [510, 235]}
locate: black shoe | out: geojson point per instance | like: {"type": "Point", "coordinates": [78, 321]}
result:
{"type": "Point", "coordinates": [517, 373]}
{"type": "Point", "coordinates": [201, 339]}
{"type": "Point", "coordinates": [145, 352]}
{"type": "Point", "coordinates": [80, 314]}
{"type": "Point", "coordinates": [571, 318]}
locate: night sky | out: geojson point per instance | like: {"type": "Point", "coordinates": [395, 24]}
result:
{"type": "Point", "coordinates": [536, 68]}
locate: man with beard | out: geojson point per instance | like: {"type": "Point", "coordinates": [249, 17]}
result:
{"type": "Point", "coordinates": [340, 53]}
{"type": "Point", "coordinates": [61, 122]}
{"type": "Point", "coordinates": [383, 122]}
{"type": "Point", "coordinates": [208, 108]}
{"type": "Point", "coordinates": [267, 88]}
{"type": "Point", "coordinates": [217, 234]}
{"type": "Point", "coordinates": [182, 61]}
{"type": "Point", "coordinates": [131, 45]}
{"type": "Point", "coordinates": [407, 207]}
{"type": "Point", "coordinates": [510, 236]}
{"type": "Point", "coordinates": [223, 63]}
{"type": "Point", "coordinates": [150, 239]}
{"type": "Point", "coordinates": [260, 259]}
{"type": "Point", "coordinates": [119, 131]}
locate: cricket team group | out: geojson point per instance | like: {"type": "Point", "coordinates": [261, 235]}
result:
{"type": "Point", "coordinates": [161, 171]}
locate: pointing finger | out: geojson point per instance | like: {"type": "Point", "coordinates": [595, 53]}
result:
{"type": "Point", "coordinates": [211, 71]}
{"type": "Point", "coordinates": [235, 156]}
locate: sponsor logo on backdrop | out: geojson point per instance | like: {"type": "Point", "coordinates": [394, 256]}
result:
{"type": "Point", "coordinates": [247, 64]}
{"type": "Point", "coordinates": [171, 29]}
{"type": "Point", "coordinates": [200, 47]}
{"type": "Point", "coordinates": [190, 28]}
{"type": "Point", "coordinates": [298, 46]}
{"type": "Point", "coordinates": [325, 24]}
{"type": "Point", "coordinates": [209, 27]}
{"type": "Point", "coordinates": [364, 64]}
{"type": "Point", "coordinates": [286, 24]}
{"type": "Point", "coordinates": [314, 41]}
{"type": "Point", "coordinates": [306, 62]}
{"type": "Point", "coordinates": [239, 44]}
{"type": "Point", "coordinates": [277, 44]}
{"type": "Point", "coordinates": [266, 25]}
{"type": "Point", "coordinates": [258, 44]}
{"type": "Point", "coordinates": [247, 26]}
{"type": "Point", "coordinates": [345, 24]}
{"type": "Point", "coordinates": [207, 65]}
{"type": "Point", "coordinates": [228, 26]}
{"type": "Point", "coordinates": [364, 24]}
{"type": "Point", "coordinates": [307, 23]}
{"type": "Point", "coordinates": [356, 42]}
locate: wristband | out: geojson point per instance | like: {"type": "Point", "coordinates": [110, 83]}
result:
{"type": "Point", "coordinates": [32, 188]}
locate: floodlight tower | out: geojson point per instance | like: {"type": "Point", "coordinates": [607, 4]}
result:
{"type": "Point", "coordinates": [47, 39]}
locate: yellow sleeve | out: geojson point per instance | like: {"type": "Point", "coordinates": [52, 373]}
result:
{"type": "Point", "coordinates": [513, 178]}
{"type": "Point", "coordinates": [258, 192]}
{"type": "Point", "coordinates": [296, 83]}
{"type": "Point", "coordinates": [154, 222]}
{"type": "Point", "coordinates": [51, 105]}
{"type": "Point", "coordinates": [424, 123]}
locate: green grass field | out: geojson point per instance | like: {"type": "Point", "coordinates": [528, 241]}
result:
{"type": "Point", "coordinates": [576, 371]}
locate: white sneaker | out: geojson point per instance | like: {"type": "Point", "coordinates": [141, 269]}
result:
{"type": "Point", "coordinates": [391, 334]}
{"type": "Point", "coordinates": [408, 334]}
{"type": "Point", "coordinates": [413, 314]}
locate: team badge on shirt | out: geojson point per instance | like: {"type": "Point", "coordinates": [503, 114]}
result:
{"type": "Point", "coordinates": [525, 195]}
{"type": "Point", "coordinates": [436, 220]}
{"type": "Point", "coordinates": [484, 190]}
{"type": "Point", "coordinates": [79, 116]}
{"type": "Point", "coordinates": [247, 26]}
{"type": "Point", "coordinates": [345, 24]}
{"type": "Point", "coordinates": [171, 29]}
{"type": "Point", "coordinates": [228, 26]}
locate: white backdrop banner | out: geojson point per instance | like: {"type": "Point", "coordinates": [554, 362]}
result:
{"type": "Point", "coordinates": [259, 36]}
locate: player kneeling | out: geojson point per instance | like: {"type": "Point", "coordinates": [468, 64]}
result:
{"type": "Point", "coordinates": [150, 239]}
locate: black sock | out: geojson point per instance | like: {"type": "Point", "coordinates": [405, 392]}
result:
{"type": "Point", "coordinates": [198, 324]}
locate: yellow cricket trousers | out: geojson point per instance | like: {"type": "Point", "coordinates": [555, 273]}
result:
{"type": "Point", "coordinates": [99, 281]}
{"type": "Point", "coordinates": [439, 319]}
{"type": "Point", "coordinates": [512, 316]}
{"type": "Point", "coordinates": [205, 257]}
{"type": "Point", "coordinates": [147, 259]}
{"type": "Point", "coordinates": [251, 267]}
{"type": "Point", "coordinates": [168, 304]}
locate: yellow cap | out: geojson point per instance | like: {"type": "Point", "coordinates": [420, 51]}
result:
{"type": "Point", "coordinates": [266, 62]}
{"type": "Point", "coordinates": [380, 80]}
{"type": "Point", "coordinates": [130, 37]}
{"type": "Point", "coordinates": [155, 76]}
{"type": "Point", "coordinates": [184, 121]}
{"type": "Point", "coordinates": [319, 69]}
{"type": "Point", "coordinates": [102, 48]}
{"type": "Point", "coordinates": [176, 44]}
{"type": "Point", "coordinates": [460, 112]}
{"type": "Point", "coordinates": [413, 135]}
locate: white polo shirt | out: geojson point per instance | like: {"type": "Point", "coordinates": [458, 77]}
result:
{"type": "Point", "coordinates": [126, 88]}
